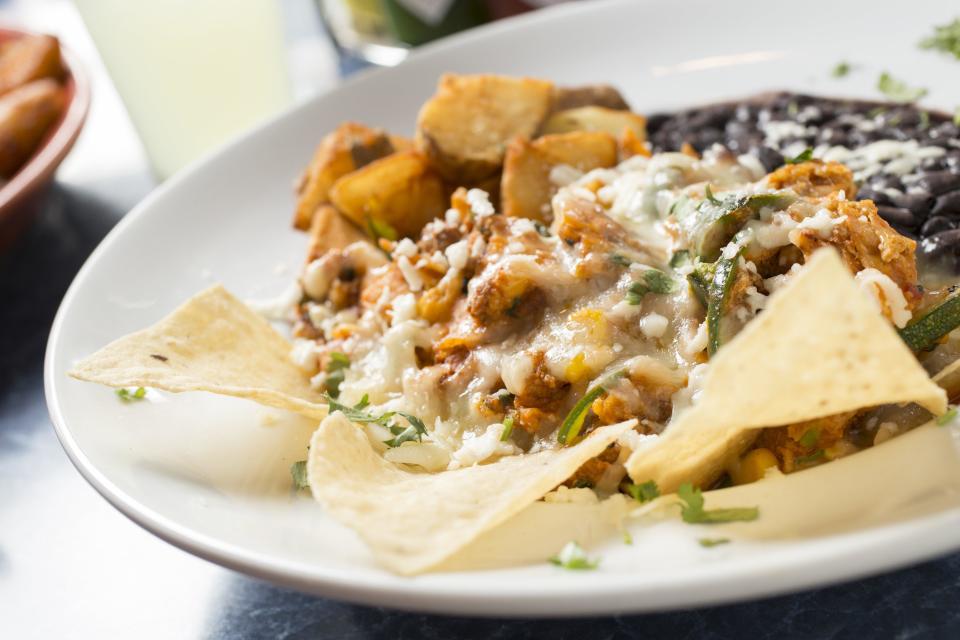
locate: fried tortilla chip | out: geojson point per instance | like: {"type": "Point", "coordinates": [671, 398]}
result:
{"type": "Point", "coordinates": [818, 349]}
{"type": "Point", "coordinates": [214, 343]}
{"type": "Point", "coordinates": [412, 521]}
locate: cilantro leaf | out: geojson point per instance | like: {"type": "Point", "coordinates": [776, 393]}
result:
{"type": "Point", "coordinates": [693, 512]}
{"type": "Point", "coordinates": [897, 90]}
{"type": "Point", "coordinates": [131, 396]}
{"type": "Point", "coordinates": [336, 372]}
{"type": "Point", "coordinates": [298, 471]}
{"type": "Point", "coordinates": [712, 542]}
{"type": "Point", "coordinates": [415, 429]}
{"type": "Point", "coordinates": [380, 229]}
{"type": "Point", "coordinates": [643, 492]}
{"type": "Point", "coordinates": [945, 38]}
{"type": "Point", "coordinates": [840, 70]}
{"type": "Point", "coordinates": [803, 156]}
{"type": "Point", "coordinates": [654, 281]}
{"type": "Point", "coordinates": [573, 557]}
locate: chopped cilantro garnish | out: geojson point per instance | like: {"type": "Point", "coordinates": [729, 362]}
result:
{"type": "Point", "coordinates": [803, 156]}
{"type": "Point", "coordinates": [654, 281]}
{"type": "Point", "coordinates": [627, 538]}
{"type": "Point", "coordinates": [813, 457]}
{"type": "Point", "coordinates": [643, 492]}
{"type": "Point", "coordinates": [620, 260]}
{"type": "Point", "coordinates": [130, 396]}
{"type": "Point", "coordinates": [897, 90]}
{"type": "Point", "coordinates": [945, 38]}
{"type": "Point", "coordinates": [507, 429]}
{"type": "Point", "coordinates": [809, 438]}
{"type": "Point", "coordinates": [415, 429]}
{"type": "Point", "coordinates": [956, 117]}
{"type": "Point", "coordinates": [924, 120]}
{"type": "Point", "coordinates": [336, 371]}
{"type": "Point", "coordinates": [380, 229]}
{"type": "Point", "coordinates": [947, 417]}
{"type": "Point", "coordinates": [694, 513]}
{"type": "Point", "coordinates": [298, 471]}
{"type": "Point", "coordinates": [840, 70]}
{"type": "Point", "coordinates": [571, 425]}
{"type": "Point", "coordinates": [572, 556]}
{"type": "Point", "coordinates": [712, 542]}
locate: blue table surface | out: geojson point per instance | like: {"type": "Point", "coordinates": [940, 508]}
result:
{"type": "Point", "coordinates": [72, 567]}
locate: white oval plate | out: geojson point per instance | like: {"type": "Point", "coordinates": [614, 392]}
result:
{"type": "Point", "coordinates": [210, 475]}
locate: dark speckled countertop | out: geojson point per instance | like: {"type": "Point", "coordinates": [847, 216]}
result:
{"type": "Point", "coordinates": [72, 567]}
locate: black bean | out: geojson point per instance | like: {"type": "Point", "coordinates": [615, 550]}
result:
{"type": "Point", "coordinates": [943, 247]}
{"type": "Point", "coordinates": [935, 225]}
{"type": "Point", "coordinates": [920, 202]}
{"type": "Point", "coordinates": [770, 158]}
{"type": "Point", "coordinates": [939, 182]}
{"type": "Point", "coordinates": [879, 197]}
{"type": "Point", "coordinates": [948, 204]}
{"type": "Point", "coordinates": [886, 181]}
{"type": "Point", "coordinates": [899, 217]}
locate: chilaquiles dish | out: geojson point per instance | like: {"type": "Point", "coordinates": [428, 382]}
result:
{"type": "Point", "coordinates": [525, 300]}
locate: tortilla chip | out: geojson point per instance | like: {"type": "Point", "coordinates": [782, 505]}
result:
{"type": "Point", "coordinates": [214, 343]}
{"type": "Point", "coordinates": [412, 521]}
{"type": "Point", "coordinates": [818, 349]}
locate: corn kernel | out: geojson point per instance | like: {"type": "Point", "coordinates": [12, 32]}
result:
{"type": "Point", "coordinates": [595, 323]}
{"type": "Point", "coordinates": [752, 467]}
{"type": "Point", "coordinates": [577, 370]}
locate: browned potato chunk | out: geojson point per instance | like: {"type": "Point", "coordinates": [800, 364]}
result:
{"type": "Point", "coordinates": [596, 119]}
{"type": "Point", "coordinates": [400, 191]}
{"type": "Point", "coordinates": [596, 95]}
{"type": "Point", "coordinates": [27, 59]}
{"type": "Point", "coordinates": [349, 147]}
{"type": "Point", "coordinates": [465, 127]}
{"type": "Point", "coordinates": [526, 188]}
{"type": "Point", "coordinates": [632, 145]}
{"type": "Point", "coordinates": [331, 230]}
{"type": "Point", "coordinates": [26, 114]}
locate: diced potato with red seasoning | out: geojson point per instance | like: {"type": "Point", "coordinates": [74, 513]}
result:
{"type": "Point", "coordinates": [526, 187]}
{"type": "Point", "coordinates": [596, 119]}
{"type": "Point", "coordinates": [331, 230]}
{"type": "Point", "coordinates": [26, 114]}
{"type": "Point", "coordinates": [598, 95]}
{"type": "Point", "coordinates": [465, 127]}
{"type": "Point", "coordinates": [348, 148]}
{"type": "Point", "coordinates": [27, 59]}
{"type": "Point", "coordinates": [400, 192]}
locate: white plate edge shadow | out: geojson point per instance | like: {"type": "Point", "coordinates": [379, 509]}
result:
{"type": "Point", "coordinates": [705, 587]}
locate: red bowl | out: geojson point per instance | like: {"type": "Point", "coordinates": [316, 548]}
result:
{"type": "Point", "coordinates": [20, 196]}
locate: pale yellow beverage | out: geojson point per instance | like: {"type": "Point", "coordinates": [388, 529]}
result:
{"type": "Point", "coordinates": [192, 73]}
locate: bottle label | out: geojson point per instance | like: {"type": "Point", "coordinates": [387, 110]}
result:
{"type": "Point", "coordinates": [431, 12]}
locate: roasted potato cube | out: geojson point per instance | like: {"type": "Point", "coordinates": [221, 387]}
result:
{"type": "Point", "coordinates": [596, 119]}
{"type": "Point", "coordinates": [331, 230]}
{"type": "Point", "coordinates": [631, 145]}
{"type": "Point", "coordinates": [465, 127]}
{"type": "Point", "coordinates": [592, 95]}
{"type": "Point", "coordinates": [526, 188]}
{"type": "Point", "coordinates": [27, 59]}
{"type": "Point", "coordinates": [26, 114]}
{"type": "Point", "coordinates": [348, 148]}
{"type": "Point", "coordinates": [400, 192]}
